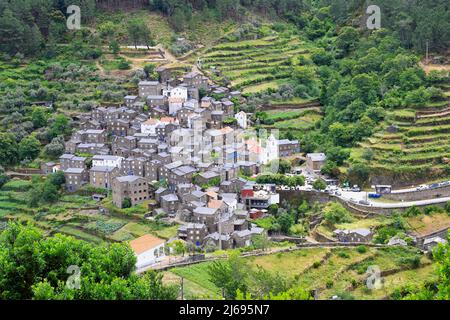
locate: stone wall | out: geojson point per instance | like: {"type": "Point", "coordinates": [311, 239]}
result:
{"type": "Point", "coordinates": [419, 195]}
{"type": "Point", "coordinates": [295, 196]}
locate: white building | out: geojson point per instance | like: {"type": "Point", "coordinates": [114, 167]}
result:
{"type": "Point", "coordinates": [107, 161]}
{"type": "Point", "coordinates": [241, 118]}
{"type": "Point", "coordinates": [148, 250]}
{"type": "Point", "coordinates": [149, 127]}
{"type": "Point", "coordinates": [269, 151]}
{"type": "Point", "coordinates": [177, 97]}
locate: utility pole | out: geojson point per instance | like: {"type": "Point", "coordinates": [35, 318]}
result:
{"type": "Point", "coordinates": [182, 288]}
{"type": "Point", "coordinates": [220, 234]}
{"type": "Point", "coordinates": [427, 61]}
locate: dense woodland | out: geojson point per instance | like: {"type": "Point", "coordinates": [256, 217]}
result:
{"type": "Point", "coordinates": [28, 26]}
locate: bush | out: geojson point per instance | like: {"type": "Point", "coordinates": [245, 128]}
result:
{"type": "Point", "coordinates": [412, 212]}
{"type": "Point", "coordinates": [316, 264]}
{"type": "Point", "coordinates": [432, 209]}
{"type": "Point", "coordinates": [329, 284]}
{"type": "Point", "coordinates": [343, 254]}
{"type": "Point", "coordinates": [361, 249]}
{"type": "Point", "coordinates": [335, 213]}
{"type": "Point", "coordinates": [319, 184]}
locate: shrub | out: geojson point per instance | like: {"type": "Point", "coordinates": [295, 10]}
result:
{"type": "Point", "coordinates": [316, 264]}
{"type": "Point", "coordinates": [329, 284]}
{"type": "Point", "coordinates": [335, 213]}
{"type": "Point", "coordinates": [413, 212]}
{"type": "Point", "coordinates": [361, 249]}
{"type": "Point", "coordinates": [343, 254]}
{"type": "Point", "coordinates": [432, 209]}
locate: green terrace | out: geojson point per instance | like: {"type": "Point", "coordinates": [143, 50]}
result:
{"type": "Point", "coordinates": [79, 216]}
{"type": "Point", "coordinates": [252, 70]}
{"type": "Point", "coordinates": [421, 142]}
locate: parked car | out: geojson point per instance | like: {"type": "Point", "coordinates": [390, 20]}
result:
{"type": "Point", "coordinates": [356, 188]}
{"type": "Point", "coordinates": [422, 187]}
{"type": "Point", "coordinates": [444, 184]}
{"type": "Point", "coordinates": [434, 186]}
{"type": "Point", "coordinates": [364, 202]}
{"type": "Point", "coordinates": [338, 193]}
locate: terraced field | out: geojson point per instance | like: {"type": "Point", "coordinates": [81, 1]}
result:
{"type": "Point", "coordinates": [418, 147]}
{"type": "Point", "coordinates": [255, 65]}
{"type": "Point", "coordinates": [339, 271]}
{"type": "Point", "coordinates": [78, 216]}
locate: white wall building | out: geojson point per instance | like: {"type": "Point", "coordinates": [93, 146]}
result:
{"type": "Point", "coordinates": [149, 127]}
{"type": "Point", "coordinates": [177, 97]}
{"type": "Point", "coordinates": [148, 250]}
{"type": "Point", "coordinates": [107, 161]}
{"type": "Point", "coordinates": [241, 118]}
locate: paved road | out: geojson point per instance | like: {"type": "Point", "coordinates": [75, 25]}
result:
{"type": "Point", "coordinates": [356, 197]}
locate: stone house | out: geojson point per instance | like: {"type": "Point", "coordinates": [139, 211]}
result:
{"type": "Point", "coordinates": [130, 100]}
{"type": "Point", "coordinates": [196, 79]}
{"type": "Point", "coordinates": [133, 166]}
{"type": "Point", "coordinates": [71, 161]}
{"type": "Point", "coordinates": [315, 162]}
{"type": "Point", "coordinates": [170, 203]}
{"type": "Point", "coordinates": [49, 167]}
{"type": "Point", "coordinates": [156, 100]}
{"type": "Point", "coordinates": [134, 188]}
{"type": "Point", "coordinates": [75, 178]}
{"type": "Point", "coordinates": [223, 241]}
{"type": "Point", "coordinates": [161, 192]}
{"type": "Point", "coordinates": [102, 177]}
{"type": "Point", "coordinates": [107, 161]}
{"type": "Point", "coordinates": [93, 148]}
{"type": "Point", "coordinates": [149, 88]}
{"type": "Point", "coordinates": [118, 127]}
{"type": "Point", "coordinates": [193, 232]}
{"type": "Point", "coordinates": [90, 125]}
{"type": "Point", "coordinates": [208, 216]}
{"type": "Point", "coordinates": [287, 147]}
{"type": "Point", "coordinates": [207, 177]}
{"type": "Point", "coordinates": [356, 235]}
{"type": "Point", "coordinates": [152, 170]}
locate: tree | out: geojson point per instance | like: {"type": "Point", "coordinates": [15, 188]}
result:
{"type": "Point", "coordinates": [29, 148]}
{"type": "Point", "coordinates": [139, 33]}
{"type": "Point", "coordinates": [149, 70]}
{"type": "Point", "coordinates": [60, 126]}
{"type": "Point", "coordinates": [9, 153]}
{"type": "Point", "coordinates": [286, 221]}
{"type": "Point", "coordinates": [55, 148]}
{"type": "Point", "coordinates": [35, 267]}
{"type": "Point", "coordinates": [319, 184]}
{"type": "Point", "coordinates": [335, 213]}
{"type": "Point", "coordinates": [261, 242]}
{"type": "Point", "coordinates": [229, 275]}
{"type": "Point", "coordinates": [358, 173]}
{"type": "Point", "coordinates": [114, 46]}
{"type": "Point", "coordinates": [39, 117]}
{"type": "Point", "coordinates": [126, 203]}
{"type": "Point", "coordinates": [347, 39]}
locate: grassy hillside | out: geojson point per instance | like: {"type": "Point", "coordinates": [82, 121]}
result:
{"type": "Point", "coordinates": [331, 271]}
